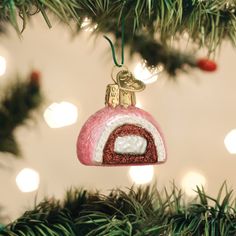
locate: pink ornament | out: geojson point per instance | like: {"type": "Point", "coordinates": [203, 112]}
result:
{"type": "Point", "coordinates": [121, 136]}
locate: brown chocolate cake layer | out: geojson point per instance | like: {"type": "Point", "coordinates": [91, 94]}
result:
{"type": "Point", "coordinates": [112, 158]}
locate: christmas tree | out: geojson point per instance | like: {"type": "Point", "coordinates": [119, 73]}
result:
{"type": "Point", "coordinates": [155, 32]}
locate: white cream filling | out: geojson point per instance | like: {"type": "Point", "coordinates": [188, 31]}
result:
{"type": "Point", "coordinates": [118, 121]}
{"type": "Point", "coordinates": [130, 144]}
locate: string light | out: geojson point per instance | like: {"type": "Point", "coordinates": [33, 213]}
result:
{"type": "Point", "coordinates": [3, 65]}
{"type": "Point", "coordinates": [141, 174]}
{"type": "Point", "coordinates": [62, 114]}
{"type": "Point", "coordinates": [230, 141]}
{"type": "Point", "coordinates": [146, 74]}
{"type": "Point", "coordinates": [138, 104]}
{"type": "Point", "coordinates": [27, 180]}
{"type": "Point", "coordinates": [87, 25]}
{"type": "Point", "coordinates": [230, 7]}
{"type": "Point", "coordinates": [190, 182]}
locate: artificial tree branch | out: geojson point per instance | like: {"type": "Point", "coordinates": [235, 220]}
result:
{"type": "Point", "coordinates": [16, 107]}
{"type": "Point", "coordinates": [207, 23]}
{"type": "Point", "coordinates": [138, 212]}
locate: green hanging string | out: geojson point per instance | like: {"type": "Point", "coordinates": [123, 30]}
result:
{"type": "Point", "coordinates": [122, 45]}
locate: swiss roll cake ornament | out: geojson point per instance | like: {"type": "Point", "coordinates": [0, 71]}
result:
{"type": "Point", "coordinates": [120, 133]}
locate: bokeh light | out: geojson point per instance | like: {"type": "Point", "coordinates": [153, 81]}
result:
{"type": "Point", "coordinates": [146, 74]}
{"type": "Point", "coordinates": [59, 115]}
{"type": "Point", "coordinates": [141, 174]}
{"type": "Point", "coordinates": [230, 141]}
{"type": "Point", "coordinates": [190, 182]}
{"type": "Point", "coordinates": [3, 65]}
{"type": "Point", "coordinates": [27, 180]}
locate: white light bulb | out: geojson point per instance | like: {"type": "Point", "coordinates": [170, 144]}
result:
{"type": "Point", "coordinates": [3, 65]}
{"type": "Point", "coordinates": [146, 74]}
{"type": "Point", "coordinates": [141, 174]}
{"type": "Point", "coordinates": [27, 180]}
{"type": "Point", "coordinates": [190, 182]}
{"type": "Point", "coordinates": [230, 141]}
{"type": "Point", "coordinates": [138, 104]}
{"type": "Point", "coordinates": [87, 25]}
{"type": "Point", "coordinates": [62, 114]}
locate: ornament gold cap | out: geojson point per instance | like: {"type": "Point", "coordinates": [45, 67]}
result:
{"type": "Point", "coordinates": [112, 95]}
{"type": "Point", "coordinates": [122, 93]}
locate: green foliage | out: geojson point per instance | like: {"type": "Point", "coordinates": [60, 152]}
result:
{"type": "Point", "coordinates": [16, 106]}
{"type": "Point", "coordinates": [142, 211]}
{"type": "Point", "coordinates": [151, 25]}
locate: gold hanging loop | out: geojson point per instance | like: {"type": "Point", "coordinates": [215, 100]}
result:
{"type": "Point", "coordinates": [122, 93]}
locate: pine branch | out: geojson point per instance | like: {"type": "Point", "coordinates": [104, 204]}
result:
{"type": "Point", "coordinates": [16, 108]}
{"type": "Point", "coordinates": [141, 211]}
{"type": "Point", "coordinates": [158, 23]}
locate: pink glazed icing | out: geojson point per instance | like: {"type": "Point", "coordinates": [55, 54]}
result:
{"type": "Point", "coordinates": [92, 130]}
